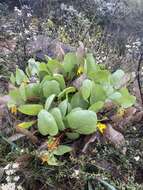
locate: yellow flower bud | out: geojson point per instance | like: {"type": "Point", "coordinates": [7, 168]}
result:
{"type": "Point", "coordinates": [101, 127]}
{"type": "Point", "coordinates": [80, 70]}
{"type": "Point", "coordinates": [13, 110]}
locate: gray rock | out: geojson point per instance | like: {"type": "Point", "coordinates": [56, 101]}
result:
{"type": "Point", "coordinates": [42, 45]}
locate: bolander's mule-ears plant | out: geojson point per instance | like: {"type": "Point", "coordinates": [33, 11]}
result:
{"type": "Point", "coordinates": [63, 99]}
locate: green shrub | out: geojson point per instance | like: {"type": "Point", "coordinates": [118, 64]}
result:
{"type": "Point", "coordinates": [47, 91]}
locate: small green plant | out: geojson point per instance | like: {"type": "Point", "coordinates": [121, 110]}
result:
{"type": "Point", "coordinates": [59, 109]}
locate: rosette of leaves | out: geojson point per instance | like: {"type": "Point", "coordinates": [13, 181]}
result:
{"type": "Point", "coordinates": [46, 91]}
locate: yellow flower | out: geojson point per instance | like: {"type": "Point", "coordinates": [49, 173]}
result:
{"type": "Point", "coordinates": [101, 127]}
{"type": "Point", "coordinates": [25, 82]}
{"type": "Point", "coordinates": [80, 70]}
{"type": "Point", "coordinates": [13, 110]}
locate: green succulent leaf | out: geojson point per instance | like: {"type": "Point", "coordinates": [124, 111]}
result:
{"type": "Point", "coordinates": [16, 98]}
{"type": "Point", "coordinates": [26, 125]}
{"type": "Point", "coordinates": [27, 71]}
{"type": "Point", "coordinates": [49, 101]}
{"type": "Point", "coordinates": [82, 122]}
{"type": "Point", "coordinates": [62, 149]}
{"type": "Point", "coordinates": [57, 77]}
{"type": "Point", "coordinates": [33, 67]}
{"type": "Point", "coordinates": [78, 101]}
{"type": "Point", "coordinates": [96, 106]}
{"type": "Point", "coordinates": [69, 108]}
{"type": "Point", "coordinates": [51, 87]}
{"type": "Point", "coordinates": [58, 118]}
{"type": "Point", "coordinates": [97, 93]}
{"type": "Point", "coordinates": [91, 66]}
{"type": "Point", "coordinates": [22, 91]}
{"type": "Point", "coordinates": [63, 106]}
{"type": "Point", "coordinates": [72, 136]}
{"type": "Point", "coordinates": [108, 88]}
{"type": "Point", "coordinates": [52, 160]}
{"type": "Point", "coordinates": [30, 109]}
{"type": "Point", "coordinates": [116, 77]}
{"type": "Point", "coordinates": [60, 79]}
{"type": "Point", "coordinates": [46, 123]}
{"type": "Point", "coordinates": [59, 107]}
{"type": "Point", "coordinates": [126, 100]}
{"type": "Point", "coordinates": [20, 76]}
{"type": "Point", "coordinates": [86, 89]}
{"type": "Point", "coordinates": [76, 109]}
{"type": "Point", "coordinates": [66, 91]}
{"type": "Point", "coordinates": [101, 76]}
{"type": "Point", "coordinates": [43, 68]}
{"type": "Point", "coordinates": [45, 79]}
{"type": "Point", "coordinates": [32, 90]}
{"type": "Point", "coordinates": [70, 60]}
{"type": "Point", "coordinates": [54, 66]}
{"type": "Point", "coordinates": [115, 96]}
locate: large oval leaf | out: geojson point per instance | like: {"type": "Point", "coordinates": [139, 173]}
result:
{"type": "Point", "coordinates": [46, 78]}
{"type": "Point", "coordinates": [108, 88]}
{"type": "Point", "coordinates": [30, 109]}
{"type": "Point", "coordinates": [83, 121]}
{"type": "Point", "coordinates": [60, 79]}
{"type": "Point", "coordinates": [97, 93]}
{"type": "Point", "coordinates": [32, 90]}
{"type": "Point", "coordinates": [126, 100]}
{"type": "Point", "coordinates": [96, 106]}
{"type": "Point", "coordinates": [54, 66]}
{"type": "Point", "coordinates": [78, 101]}
{"type": "Point", "coordinates": [102, 76]}
{"type": "Point", "coordinates": [47, 124]}
{"type": "Point", "coordinates": [116, 77]}
{"type": "Point", "coordinates": [15, 97]}
{"type": "Point", "coordinates": [76, 109]}
{"type": "Point", "coordinates": [58, 117]}
{"type": "Point", "coordinates": [51, 87]}
{"type": "Point", "coordinates": [115, 96]}
{"type": "Point", "coordinates": [86, 89]}
{"type": "Point", "coordinates": [70, 60]}
{"type": "Point", "coordinates": [91, 66]}
{"type": "Point", "coordinates": [57, 77]}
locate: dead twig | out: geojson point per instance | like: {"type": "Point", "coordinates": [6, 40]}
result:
{"type": "Point", "coordinates": [27, 133]}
